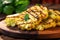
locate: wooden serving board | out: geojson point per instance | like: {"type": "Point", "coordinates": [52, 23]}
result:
{"type": "Point", "coordinates": [49, 33]}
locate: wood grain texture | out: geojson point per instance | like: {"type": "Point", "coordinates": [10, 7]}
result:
{"type": "Point", "coordinates": [49, 33]}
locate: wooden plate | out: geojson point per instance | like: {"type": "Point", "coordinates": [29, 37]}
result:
{"type": "Point", "coordinates": [49, 33]}
{"type": "Point", "coordinates": [16, 33]}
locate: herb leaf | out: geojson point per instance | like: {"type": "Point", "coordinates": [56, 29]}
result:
{"type": "Point", "coordinates": [26, 17]}
{"type": "Point", "coordinates": [38, 4]}
{"type": "Point", "coordinates": [50, 13]}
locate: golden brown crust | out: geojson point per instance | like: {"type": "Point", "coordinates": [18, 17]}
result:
{"type": "Point", "coordinates": [39, 18]}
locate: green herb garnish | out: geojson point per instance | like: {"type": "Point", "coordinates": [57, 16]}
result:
{"type": "Point", "coordinates": [50, 13]}
{"type": "Point", "coordinates": [26, 17]}
{"type": "Point", "coordinates": [38, 4]}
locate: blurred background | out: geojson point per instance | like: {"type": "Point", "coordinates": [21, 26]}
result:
{"type": "Point", "coordinates": [52, 4]}
{"type": "Point", "coordinates": [45, 1]}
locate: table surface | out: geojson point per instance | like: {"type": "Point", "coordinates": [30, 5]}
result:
{"type": "Point", "coordinates": [2, 37]}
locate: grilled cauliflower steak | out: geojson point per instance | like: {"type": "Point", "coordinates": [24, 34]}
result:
{"type": "Point", "coordinates": [46, 24]}
{"type": "Point", "coordinates": [36, 14]}
{"type": "Point", "coordinates": [35, 17]}
{"type": "Point", "coordinates": [54, 14]}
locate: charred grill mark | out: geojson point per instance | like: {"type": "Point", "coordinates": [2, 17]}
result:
{"type": "Point", "coordinates": [42, 7]}
{"type": "Point", "coordinates": [52, 11]}
{"type": "Point", "coordinates": [38, 11]}
{"type": "Point", "coordinates": [31, 14]}
{"type": "Point", "coordinates": [42, 13]}
{"type": "Point", "coordinates": [57, 13]}
{"type": "Point", "coordinates": [35, 14]}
